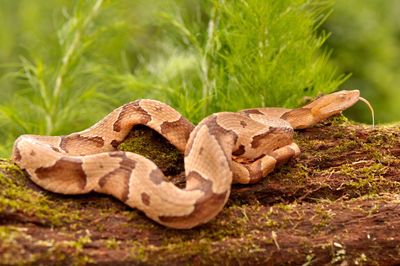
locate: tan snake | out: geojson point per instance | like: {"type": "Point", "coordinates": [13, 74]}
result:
{"type": "Point", "coordinates": [225, 147]}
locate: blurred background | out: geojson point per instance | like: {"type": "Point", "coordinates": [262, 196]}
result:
{"type": "Point", "coordinates": [365, 42]}
{"type": "Point", "coordinates": [61, 59]}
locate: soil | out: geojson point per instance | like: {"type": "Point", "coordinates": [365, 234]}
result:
{"type": "Point", "coordinates": [338, 203]}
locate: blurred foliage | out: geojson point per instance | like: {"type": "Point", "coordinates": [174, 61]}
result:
{"type": "Point", "coordinates": [65, 64]}
{"type": "Point", "coordinates": [366, 42]}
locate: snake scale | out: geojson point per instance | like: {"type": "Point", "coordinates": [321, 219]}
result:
{"type": "Point", "coordinates": [224, 148]}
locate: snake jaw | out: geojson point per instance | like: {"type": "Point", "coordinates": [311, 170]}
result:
{"type": "Point", "coordinates": [334, 103]}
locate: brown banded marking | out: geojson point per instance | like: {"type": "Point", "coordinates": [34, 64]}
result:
{"type": "Point", "coordinates": [272, 139]}
{"type": "Point", "coordinates": [145, 198]}
{"type": "Point", "coordinates": [222, 133]}
{"type": "Point", "coordinates": [168, 122]}
{"type": "Point", "coordinates": [127, 111]}
{"type": "Point", "coordinates": [156, 176]}
{"type": "Point", "coordinates": [169, 128]}
{"type": "Point", "coordinates": [243, 124]}
{"type": "Point", "coordinates": [116, 182]}
{"type": "Point", "coordinates": [255, 171]}
{"type": "Point", "coordinates": [240, 150]}
{"type": "Point", "coordinates": [216, 154]}
{"type": "Point", "coordinates": [114, 143]}
{"type": "Point", "coordinates": [16, 154]}
{"type": "Point", "coordinates": [55, 149]}
{"type": "Point", "coordinates": [258, 139]}
{"type": "Point", "coordinates": [256, 142]}
{"type": "Point", "coordinates": [300, 117]}
{"type": "Point", "coordinates": [73, 144]}
{"type": "Point", "coordinates": [68, 167]}
{"type": "Point", "coordinates": [210, 203]}
{"type": "Point", "coordinates": [252, 111]}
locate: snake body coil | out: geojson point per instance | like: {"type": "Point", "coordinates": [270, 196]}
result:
{"type": "Point", "coordinates": [226, 147]}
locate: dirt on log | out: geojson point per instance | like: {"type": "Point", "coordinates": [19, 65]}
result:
{"type": "Point", "coordinates": [337, 203]}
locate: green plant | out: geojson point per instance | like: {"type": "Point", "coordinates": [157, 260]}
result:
{"type": "Point", "coordinates": [252, 53]}
{"type": "Point", "coordinates": [50, 94]}
{"type": "Point", "coordinates": [199, 56]}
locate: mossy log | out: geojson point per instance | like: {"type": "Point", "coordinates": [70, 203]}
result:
{"type": "Point", "coordinates": [337, 203]}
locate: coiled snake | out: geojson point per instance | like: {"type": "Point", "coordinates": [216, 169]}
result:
{"type": "Point", "coordinates": [225, 147]}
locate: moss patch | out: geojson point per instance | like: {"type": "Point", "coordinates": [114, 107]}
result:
{"type": "Point", "coordinates": [18, 200]}
{"type": "Point", "coordinates": [144, 141]}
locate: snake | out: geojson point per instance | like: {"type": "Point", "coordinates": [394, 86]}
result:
{"type": "Point", "coordinates": [224, 148]}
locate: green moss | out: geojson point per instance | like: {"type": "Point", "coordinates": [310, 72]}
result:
{"type": "Point", "coordinates": [322, 216]}
{"type": "Point", "coordinates": [339, 120]}
{"type": "Point", "coordinates": [297, 174]}
{"type": "Point", "coordinates": [347, 170]}
{"type": "Point", "coordinates": [201, 250]}
{"type": "Point", "coordinates": [285, 207]}
{"type": "Point", "coordinates": [148, 143]}
{"type": "Point", "coordinates": [139, 251]}
{"type": "Point", "coordinates": [112, 243]}
{"type": "Point", "coordinates": [79, 244]}
{"type": "Point", "coordinates": [11, 243]}
{"type": "Point", "coordinates": [362, 259]}
{"type": "Point", "coordinates": [16, 196]}
{"type": "Point", "coordinates": [345, 146]}
{"type": "Point", "coordinates": [382, 138]}
{"type": "Point", "coordinates": [370, 180]}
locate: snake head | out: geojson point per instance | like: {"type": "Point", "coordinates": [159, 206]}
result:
{"type": "Point", "coordinates": [332, 104]}
{"type": "Point", "coordinates": [321, 109]}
